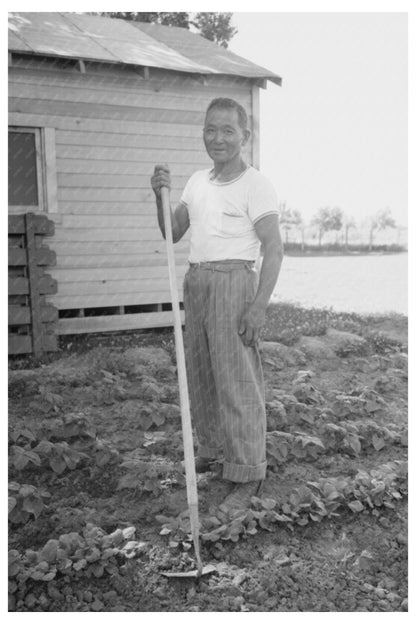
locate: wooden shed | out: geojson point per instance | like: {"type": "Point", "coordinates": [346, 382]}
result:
{"type": "Point", "coordinates": [94, 103]}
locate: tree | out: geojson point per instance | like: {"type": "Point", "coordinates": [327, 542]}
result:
{"type": "Point", "coordinates": [327, 219]}
{"type": "Point", "coordinates": [349, 223]}
{"type": "Point", "coordinates": [289, 219]}
{"type": "Point", "coordinates": [181, 20]}
{"type": "Point", "coordinates": [381, 220]}
{"type": "Point", "coordinates": [213, 26]}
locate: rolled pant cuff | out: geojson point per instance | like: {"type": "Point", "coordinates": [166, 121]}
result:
{"type": "Point", "coordinates": [209, 452]}
{"type": "Point", "coordinates": [241, 473]}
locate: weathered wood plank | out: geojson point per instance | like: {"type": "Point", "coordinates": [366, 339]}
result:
{"type": "Point", "coordinates": [123, 80]}
{"type": "Point", "coordinates": [112, 287]}
{"type": "Point", "coordinates": [51, 187]}
{"type": "Point", "coordinates": [137, 174]}
{"type": "Point", "coordinates": [115, 322]}
{"type": "Point", "coordinates": [20, 285]}
{"type": "Point", "coordinates": [255, 143]}
{"type": "Point", "coordinates": [143, 248]}
{"type": "Point", "coordinates": [145, 208]}
{"type": "Point", "coordinates": [20, 315]}
{"type": "Point", "coordinates": [42, 225]}
{"type": "Point", "coordinates": [78, 235]}
{"type": "Point", "coordinates": [43, 255]}
{"type": "Point", "coordinates": [118, 260]}
{"type": "Point", "coordinates": [126, 155]}
{"type": "Point", "coordinates": [71, 194]}
{"type": "Point", "coordinates": [107, 94]}
{"type": "Point", "coordinates": [104, 69]}
{"type": "Point", "coordinates": [113, 181]}
{"type": "Point", "coordinates": [75, 300]}
{"type": "Point", "coordinates": [109, 221]}
{"type": "Point", "coordinates": [19, 345]}
{"type": "Point", "coordinates": [69, 127]}
{"type": "Point", "coordinates": [116, 274]}
{"type": "Point", "coordinates": [104, 111]}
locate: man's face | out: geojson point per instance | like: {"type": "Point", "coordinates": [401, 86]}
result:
{"type": "Point", "coordinates": [223, 135]}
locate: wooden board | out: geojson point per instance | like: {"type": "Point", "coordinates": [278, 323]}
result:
{"type": "Point", "coordinates": [116, 274]}
{"type": "Point", "coordinates": [110, 299]}
{"type": "Point", "coordinates": [108, 287]}
{"type": "Point", "coordinates": [106, 94]}
{"type": "Point", "coordinates": [21, 315]}
{"type": "Point", "coordinates": [121, 174]}
{"type": "Point", "coordinates": [43, 225]}
{"type": "Point", "coordinates": [142, 249]}
{"type": "Point", "coordinates": [116, 322]}
{"type": "Point", "coordinates": [104, 111]}
{"type": "Point", "coordinates": [138, 261]}
{"type": "Point", "coordinates": [43, 255]}
{"type": "Point", "coordinates": [20, 285]}
{"type": "Point", "coordinates": [119, 182]}
{"type": "Point", "coordinates": [19, 345]}
{"type": "Point", "coordinates": [78, 235]}
{"type": "Point", "coordinates": [110, 221]}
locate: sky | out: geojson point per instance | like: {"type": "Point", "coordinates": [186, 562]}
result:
{"type": "Point", "coordinates": [335, 133]}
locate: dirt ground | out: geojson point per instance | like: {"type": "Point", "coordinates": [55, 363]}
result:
{"type": "Point", "coordinates": [327, 533]}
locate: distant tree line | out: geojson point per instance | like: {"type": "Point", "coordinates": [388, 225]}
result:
{"type": "Point", "coordinates": [333, 219]}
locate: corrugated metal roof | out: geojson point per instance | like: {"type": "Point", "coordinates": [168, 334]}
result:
{"type": "Point", "coordinates": [201, 50]}
{"type": "Point", "coordinates": [96, 38]}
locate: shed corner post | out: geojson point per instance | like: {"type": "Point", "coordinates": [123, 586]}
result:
{"type": "Point", "coordinates": [255, 108]}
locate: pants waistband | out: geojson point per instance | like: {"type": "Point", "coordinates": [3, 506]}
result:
{"type": "Point", "coordinates": [223, 265]}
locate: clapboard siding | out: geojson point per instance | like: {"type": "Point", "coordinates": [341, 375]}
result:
{"type": "Point", "coordinates": [74, 301]}
{"type": "Point", "coordinates": [138, 293]}
{"type": "Point", "coordinates": [109, 274]}
{"type": "Point", "coordinates": [111, 127]}
{"type": "Point", "coordinates": [108, 208]}
{"type": "Point", "coordinates": [122, 74]}
{"type": "Point", "coordinates": [143, 247]}
{"type": "Point", "coordinates": [150, 259]}
{"type": "Point", "coordinates": [114, 322]}
{"type": "Point", "coordinates": [104, 234]}
{"type": "Point", "coordinates": [125, 155]}
{"type": "Point", "coordinates": [108, 95]}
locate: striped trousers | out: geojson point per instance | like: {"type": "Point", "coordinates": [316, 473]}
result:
{"type": "Point", "coordinates": [226, 386]}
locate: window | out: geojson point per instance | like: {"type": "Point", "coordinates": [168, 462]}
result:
{"type": "Point", "coordinates": [26, 185]}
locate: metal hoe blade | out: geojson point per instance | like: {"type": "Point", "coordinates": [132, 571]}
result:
{"type": "Point", "coordinates": [208, 569]}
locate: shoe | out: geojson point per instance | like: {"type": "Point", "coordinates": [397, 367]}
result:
{"type": "Point", "coordinates": [240, 497]}
{"type": "Point", "coordinates": [203, 464]}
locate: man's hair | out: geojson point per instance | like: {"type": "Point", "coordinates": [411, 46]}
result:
{"type": "Point", "coordinates": [229, 104]}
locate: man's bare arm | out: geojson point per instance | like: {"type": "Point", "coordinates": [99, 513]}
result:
{"type": "Point", "coordinates": [179, 216]}
{"type": "Point", "coordinates": [253, 319]}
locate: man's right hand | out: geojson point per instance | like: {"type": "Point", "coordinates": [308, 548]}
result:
{"type": "Point", "coordinates": [160, 178]}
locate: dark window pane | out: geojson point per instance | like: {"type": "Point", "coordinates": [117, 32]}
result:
{"type": "Point", "coordinates": [23, 185]}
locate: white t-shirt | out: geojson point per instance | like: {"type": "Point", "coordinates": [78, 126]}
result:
{"type": "Point", "coordinates": [222, 215]}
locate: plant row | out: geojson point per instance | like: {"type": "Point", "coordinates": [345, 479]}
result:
{"type": "Point", "coordinates": [350, 437]}
{"type": "Point", "coordinates": [315, 501]}
{"type": "Point", "coordinates": [93, 553]}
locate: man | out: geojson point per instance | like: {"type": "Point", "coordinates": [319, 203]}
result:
{"type": "Point", "coordinates": [231, 211]}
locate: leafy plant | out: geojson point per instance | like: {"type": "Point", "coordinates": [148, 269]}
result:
{"type": "Point", "coordinates": [25, 500]}
{"type": "Point", "coordinates": [311, 502]}
{"type": "Point", "coordinates": [47, 401]}
{"type": "Point", "coordinates": [73, 555]}
{"type": "Point", "coordinates": [62, 443]}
